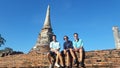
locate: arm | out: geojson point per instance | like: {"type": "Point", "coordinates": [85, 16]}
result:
{"type": "Point", "coordinates": [74, 45]}
{"type": "Point", "coordinates": [58, 47]}
{"type": "Point", "coordinates": [64, 46]}
{"type": "Point", "coordinates": [51, 47]}
{"type": "Point", "coordinates": [81, 43]}
{"type": "Point", "coordinates": [71, 45]}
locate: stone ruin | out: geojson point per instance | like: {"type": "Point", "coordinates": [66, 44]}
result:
{"type": "Point", "coordinates": [45, 36]}
{"type": "Point", "coordinates": [116, 33]}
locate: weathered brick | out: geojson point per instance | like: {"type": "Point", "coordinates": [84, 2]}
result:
{"type": "Point", "coordinates": [36, 59]}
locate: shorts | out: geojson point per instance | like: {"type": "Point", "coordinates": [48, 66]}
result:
{"type": "Point", "coordinates": [53, 54]}
{"type": "Point", "coordinates": [62, 52]}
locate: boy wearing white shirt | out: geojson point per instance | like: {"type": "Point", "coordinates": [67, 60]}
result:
{"type": "Point", "coordinates": [54, 53]}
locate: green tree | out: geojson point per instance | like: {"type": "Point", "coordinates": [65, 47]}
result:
{"type": "Point", "coordinates": [2, 40]}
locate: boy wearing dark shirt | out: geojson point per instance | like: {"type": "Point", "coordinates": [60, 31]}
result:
{"type": "Point", "coordinates": [68, 46]}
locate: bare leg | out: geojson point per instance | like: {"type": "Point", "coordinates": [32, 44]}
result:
{"type": "Point", "coordinates": [73, 54]}
{"type": "Point", "coordinates": [57, 58]}
{"type": "Point", "coordinates": [61, 59]}
{"type": "Point", "coordinates": [81, 54]}
{"type": "Point", "coordinates": [64, 57]}
{"type": "Point", "coordinates": [68, 59]}
{"type": "Point", "coordinates": [81, 57]}
{"type": "Point", "coordinates": [49, 58]}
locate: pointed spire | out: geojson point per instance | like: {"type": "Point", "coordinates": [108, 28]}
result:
{"type": "Point", "coordinates": [47, 22]}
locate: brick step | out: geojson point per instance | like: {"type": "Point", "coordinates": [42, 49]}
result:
{"type": "Point", "coordinates": [104, 58]}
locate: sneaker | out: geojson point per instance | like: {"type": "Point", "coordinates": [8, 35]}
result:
{"type": "Point", "coordinates": [62, 66]}
{"type": "Point", "coordinates": [53, 60]}
{"type": "Point", "coordinates": [77, 65]}
{"type": "Point", "coordinates": [56, 64]}
{"type": "Point", "coordinates": [75, 61]}
{"type": "Point", "coordinates": [81, 64]}
{"type": "Point", "coordinates": [51, 66]}
{"type": "Point", "coordinates": [67, 66]}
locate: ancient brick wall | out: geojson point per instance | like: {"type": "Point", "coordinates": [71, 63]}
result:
{"type": "Point", "coordinates": [103, 58]}
{"type": "Point", "coordinates": [100, 58]}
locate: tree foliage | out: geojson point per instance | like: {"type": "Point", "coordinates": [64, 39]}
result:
{"type": "Point", "coordinates": [6, 50]}
{"type": "Point", "coordinates": [2, 40]}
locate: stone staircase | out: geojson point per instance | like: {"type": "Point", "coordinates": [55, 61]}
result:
{"type": "Point", "coordinates": [93, 59]}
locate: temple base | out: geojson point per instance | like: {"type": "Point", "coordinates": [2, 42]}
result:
{"type": "Point", "coordinates": [40, 49]}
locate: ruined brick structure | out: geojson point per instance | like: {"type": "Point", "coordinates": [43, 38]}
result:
{"type": "Point", "coordinates": [45, 36]}
{"type": "Point", "coordinates": [93, 59]}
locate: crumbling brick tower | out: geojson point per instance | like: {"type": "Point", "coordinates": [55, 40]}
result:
{"type": "Point", "coordinates": [45, 36]}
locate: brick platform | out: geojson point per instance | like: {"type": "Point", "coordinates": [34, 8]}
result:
{"type": "Point", "coordinates": [99, 58]}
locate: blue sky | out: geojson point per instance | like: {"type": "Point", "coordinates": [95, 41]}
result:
{"type": "Point", "coordinates": [22, 20]}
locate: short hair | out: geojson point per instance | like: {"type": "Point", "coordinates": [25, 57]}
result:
{"type": "Point", "coordinates": [54, 35]}
{"type": "Point", "coordinates": [66, 37]}
{"type": "Point", "coordinates": [75, 33]}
